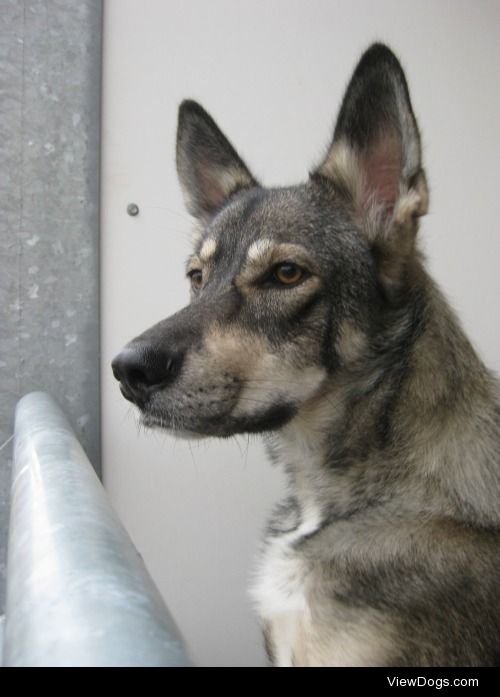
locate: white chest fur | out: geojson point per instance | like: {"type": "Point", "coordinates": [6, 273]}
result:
{"type": "Point", "coordinates": [280, 593]}
{"type": "Point", "coordinates": [280, 587]}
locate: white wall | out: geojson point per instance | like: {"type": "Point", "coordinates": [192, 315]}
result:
{"type": "Point", "coordinates": [272, 73]}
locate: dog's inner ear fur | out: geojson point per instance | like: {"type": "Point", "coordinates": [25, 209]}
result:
{"type": "Point", "coordinates": [209, 168]}
{"type": "Point", "coordinates": [374, 161]}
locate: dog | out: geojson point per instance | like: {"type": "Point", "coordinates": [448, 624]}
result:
{"type": "Point", "coordinates": [314, 322]}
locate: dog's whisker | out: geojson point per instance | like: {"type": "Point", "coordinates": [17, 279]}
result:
{"type": "Point", "coordinates": [235, 440]}
{"type": "Point", "coordinates": [191, 453]}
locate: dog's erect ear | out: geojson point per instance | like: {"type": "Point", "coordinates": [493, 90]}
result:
{"type": "Point", "coordinates": [210, 170]}
{"type": "Point", "coordinates": [374, 160]}
{"type": "Point", "coordinates": [375, 156]}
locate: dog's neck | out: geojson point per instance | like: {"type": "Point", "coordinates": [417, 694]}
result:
{"type": "Point", "coordinates": [379, 419]}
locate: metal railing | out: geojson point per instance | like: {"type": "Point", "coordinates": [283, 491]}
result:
{"type": "Point", "coordinates": [78, 593]}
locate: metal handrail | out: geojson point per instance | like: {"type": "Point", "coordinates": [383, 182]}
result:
{"type": "Point", "coordinates": [78, 593]}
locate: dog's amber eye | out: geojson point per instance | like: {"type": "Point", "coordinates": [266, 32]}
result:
{"type": "Point", "coordinates": [288, 274]}
{"type": "Point", "coordinates": [196, 276]}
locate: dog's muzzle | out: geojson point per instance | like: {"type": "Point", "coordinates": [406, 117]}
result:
{"type": "Point", "coordinates": [142, 370]}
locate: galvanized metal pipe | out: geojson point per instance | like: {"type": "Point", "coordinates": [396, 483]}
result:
{"type": "Point", "coordinates": [78, 593]}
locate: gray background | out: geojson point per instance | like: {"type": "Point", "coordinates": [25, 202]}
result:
{"type": "Point", "coordinates": [50, 75]}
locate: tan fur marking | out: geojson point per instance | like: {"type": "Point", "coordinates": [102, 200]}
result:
{"type": "Point", "coordinates": [358, 644]}
{"type": "Point", "coordinates": [194, 263]}
{"type": "Point", "coordinates": [237, 351]}
{"type": "Point", "coordinates": [303, 639]}
{"type": "Point", "coordinates": [208, 250]}
{"type": "Point", "coordinates": [263, 373]}
{"type": "Point", "coordinates": [351, 342]}
{"type": "Point", "coordinates": [342, 167]}
{"type": "Point", "coordinates": [268, 379]}
{"type": "Point", "coordinates": [414, 202]}
{"type": "Point", "coordinates": [259, 251]}
{"type": "Point", "coordinates": [231, 179]}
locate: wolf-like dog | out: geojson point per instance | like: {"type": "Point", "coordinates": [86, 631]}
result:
{"type": "Point", "coordinates": [314, 322]}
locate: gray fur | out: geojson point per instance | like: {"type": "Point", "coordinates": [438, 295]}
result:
{"type": "Point", "coordinates": [361, 380]}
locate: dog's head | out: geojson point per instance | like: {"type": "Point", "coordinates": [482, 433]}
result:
{"type": "Point", "coordinates": [288, 286]}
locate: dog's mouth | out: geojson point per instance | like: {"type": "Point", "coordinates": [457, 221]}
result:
{"type": "Point", "coordinates": [186, 417]}
{"type": "Point", "coordinates": [128, 395]}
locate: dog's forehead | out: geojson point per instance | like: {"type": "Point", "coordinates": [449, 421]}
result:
{"type": "Point", "coordinates": [253, 217]}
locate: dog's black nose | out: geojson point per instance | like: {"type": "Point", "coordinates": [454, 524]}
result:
{"type": "Point", "coordinates": [141, 370]}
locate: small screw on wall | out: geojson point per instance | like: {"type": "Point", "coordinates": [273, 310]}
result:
{"type": "Point", "coordinates": [133, 209]}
